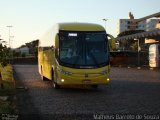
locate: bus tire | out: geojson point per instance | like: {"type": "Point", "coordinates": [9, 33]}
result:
{"type": "Point", "coordinates": [42, 77]}
{"type": "Point", "coordinates": [55, 85]}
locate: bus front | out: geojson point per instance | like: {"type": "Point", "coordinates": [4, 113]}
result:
{"type": "Point", "coordinates": [83, 58]}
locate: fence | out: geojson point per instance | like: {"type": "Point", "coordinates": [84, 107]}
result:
{"type": "Point", "coordinates": [129, 58]}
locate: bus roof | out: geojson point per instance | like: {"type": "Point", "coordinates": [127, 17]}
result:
{"type": "Point", "coordinates": [80, 27]}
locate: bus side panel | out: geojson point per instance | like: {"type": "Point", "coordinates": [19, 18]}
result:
{"type": "Point", "coordinates": [47, 63]}
{"type": "Point", "coordinates": [40, 60]}
{"type": "Point", "coordinates": [50, 63]}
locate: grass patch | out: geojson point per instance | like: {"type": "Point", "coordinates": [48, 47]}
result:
{"type": "Point", "coordinates": [9, 89]}
{"type": "Point", "coordinates": [7, 73]}
{"type": "Point", "coordinates": [7, 106]}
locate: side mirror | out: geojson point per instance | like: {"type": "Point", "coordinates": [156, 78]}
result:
{"type": "Point", "coordinates": [111, 42]}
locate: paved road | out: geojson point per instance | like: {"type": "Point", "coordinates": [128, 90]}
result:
{"type": "Point", "coordinates": [130, 92]}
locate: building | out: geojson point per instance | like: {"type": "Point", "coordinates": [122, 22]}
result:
{"type": "Point", "coordinates": [126, 24]}
{"type": "Point", "coordinates": [24, 50]}
{"type": "Point", "coordinates": [132, 24]}
{"type": "Point", "coordinates": [151, 24]}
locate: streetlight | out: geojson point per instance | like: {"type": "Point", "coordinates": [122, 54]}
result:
{"type": "Point", "coordinates": [9, 38]}
{"type": "Point", "coordinates": [138, 54]}
{"type": "Point", "coordinates": [104, 19]}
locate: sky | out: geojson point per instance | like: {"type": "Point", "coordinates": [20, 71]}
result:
{"type": "Point", "coordinates": [30, 19]}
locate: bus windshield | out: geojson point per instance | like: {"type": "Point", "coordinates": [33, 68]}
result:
{"type": "Point", "coordinates": [83, 49]}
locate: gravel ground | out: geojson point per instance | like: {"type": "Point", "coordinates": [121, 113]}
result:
{"type": "Point", "coordinates": [131, 92]}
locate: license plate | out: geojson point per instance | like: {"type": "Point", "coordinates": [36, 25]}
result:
{"type": "Point", "coordinates": [87, 81]}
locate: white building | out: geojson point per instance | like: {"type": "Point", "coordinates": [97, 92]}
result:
{"type": "Point", "coordinates": [24, 50]}
{"type": "Point", "coordinates": [126, 24]}
{"type": "Point", "coordinates": [151, 24]}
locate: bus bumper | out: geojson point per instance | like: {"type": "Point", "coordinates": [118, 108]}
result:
{"type": "Point", "coordinates": [90, 80]}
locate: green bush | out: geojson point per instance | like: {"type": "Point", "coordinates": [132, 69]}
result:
{"type": "Point", "coordinates": [4, 54]}
{"type": "Point", "coordinates": [7, 106]}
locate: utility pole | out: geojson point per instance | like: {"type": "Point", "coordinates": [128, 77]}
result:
{"type": "Point", "coordinates": [9, 35]}
{"type": "Point", "coordinates": [138, 54]}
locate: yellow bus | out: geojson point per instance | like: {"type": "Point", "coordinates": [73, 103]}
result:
{"type": "Point", "coordinates": [75, 54]}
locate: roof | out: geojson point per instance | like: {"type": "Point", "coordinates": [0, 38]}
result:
{"type": "Point", "coordinates": [80, 27]}
{"type": "Point", "coordinates": [140, 35]}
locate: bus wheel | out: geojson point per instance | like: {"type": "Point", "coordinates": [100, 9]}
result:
{"type": "Point", "coordinates": [42, 77]}
{"type": "Point", "coordinates": [55, 85]}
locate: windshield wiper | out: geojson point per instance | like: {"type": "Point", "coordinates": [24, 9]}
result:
{"type": "Point", "coordinates": [92, 56]}
{"type": "Point", "coordinates": [77, 57]}
{"type": "Point", "coordinates": [94, 59]}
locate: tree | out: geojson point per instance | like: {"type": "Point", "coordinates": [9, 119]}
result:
{"type": "Point", "coordinates": [33, 47]}
{"type": "Point", "coordinates": [130, 44]}
{"type": "Point", "coordinates": [4, 53]}
{"type": "Point", "coordinates": [16, 53]}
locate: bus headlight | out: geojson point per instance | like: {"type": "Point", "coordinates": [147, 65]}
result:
{"type": "Point", "coordinates": [65, 72]}
{"type": "Point", "coordinates": [62, 80]}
